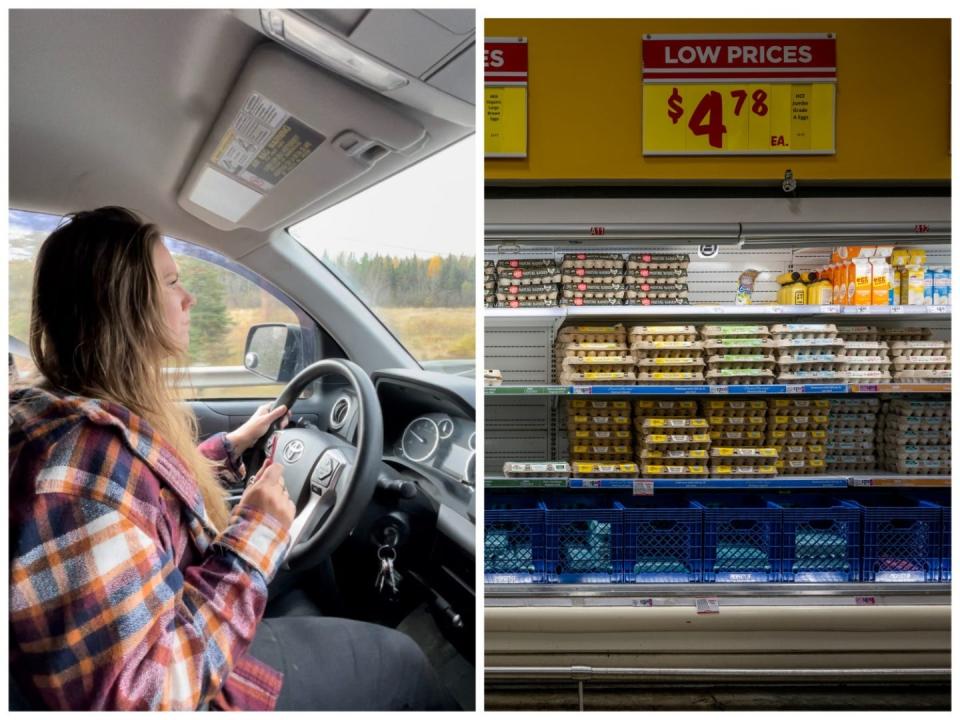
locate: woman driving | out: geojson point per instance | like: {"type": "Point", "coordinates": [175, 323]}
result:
{"type": "Point", "coordinates": [132, 585]}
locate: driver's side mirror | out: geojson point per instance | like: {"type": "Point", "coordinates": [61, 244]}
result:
{"type": "Point", "coordinates": [274, 351]}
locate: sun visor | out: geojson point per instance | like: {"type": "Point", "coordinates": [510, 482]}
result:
{"type": "Point", "coordinates": [289, 134]}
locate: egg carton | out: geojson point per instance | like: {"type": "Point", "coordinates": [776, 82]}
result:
{"type": "Point", "coordinates": [594, 292]}
{"type": "Point", "coordinates": [600, 437]}
{"type": "Point", "coordinates": [920, 424]}
{"type": "Point", "coordinates": [815, 346]}
{"type": "Point", "coordinates": [911, 334]}
{"type": "Point", "coordinates": [735, 454]}
{"type": "Point", "coordinates": [641, 260]}
{"type": "Point", "coordinates": [779, 438]}
{"type": "Point", "coordinates": [727, 331]}
{"type": "Point", "coordinates": [613, 470]}
{"type": "Point", "coordinates": [693, 441]}
{"type": "Point", "coordinates": [742, 422]}
{"type": "Point", "coordinates": [918, 376]}
{"type": "Point", "coordinates": [835, 460]}
{"type": "Point", "coordinates": [526, 278]}
{"type": "Point", "coordinates": [688, 364]}
{"type": "Point", "coordinates": [740, 376]}
{"type": "Point", "coordinates": [492, 378]}
{"type": "Point", "coordinates": [858, 405]}
{"type": "Point", "coordinates": [743, 438]}
{"type": "Point", "coordinates": [592, 261]}
{"type": "Point", "coordinates": [620, 406]}
{"type": "Point", "coordinates": [598, 412]}
{"type": "Point", "coordinates": [912, 437]}
{"type": "Point", "coordinates": [814, 420]}
{"type": "Point", "coordinates": [591, 350]}
{"type": "Point", "coordinates": [801, 467]}
{"type": "Point", "coordinates": [601, 453]}
{"type": "Point", "coordinates": [868, 375]}
{"type": "Point", "coordinates": [815, 373]}
{"type": "Point", "coordinates": [591, 422]}
{"type": "Point", "coordinates": [665, 457]}
{"type": "Point", "coordinates": [939, 453]}
{"type": "Point", "coordinates": [735, 408]}
{"type": "Point", "coordinates": [841, 419]}
{"type": "Point", "coordinates": [924, 362]}
{"type": "Point", "coordinates": [857, 348]}
{"type": "Point", "coordinates": [556, 469]}
{"type": "Point", "coordinates": [802, 451]}
{"type": "Point", "coordinates": [517, 303]}
{"type": "Point", "coordinates": [740, 362]}
{"type": "Point", "coordinates": [667, 471]}
{"type": "Point", "coordinates": [858, 333]}
{"type": "Point", "coordinates": [603, 364]}
{"type": "Point", "coordinates": [734, 346]}
{"type": "Point", "coordinates": [665, 408]}
{"type": "Point", "coordinates": [663, 334]}
{"type": "Point", "coordinates": [851, 433]}
{"type": "Point", "coordinates": [677, 352]}
{"type": "Point", "coordinates": [653, 424]}
{"type": "Point", "coordinates": [647, 302]}
{"type": "Point", "coordinates": [920, 467]}
{"type": "Point", "coordinates": [804, 331]}
{"type": "Point", "coordinates": [527, 296]}
{"type": "Point", "coordinates": [856, 362]}
{"type": "Point", "coordinates": [670, 378]}
{"type": "Point", "coordinates": [582, 276]}
{"type": "Point", "coordinates": [809, 361]}
{"type": "Point", "coordinates": [855, 469]}
{"type": "Point", "coordinates": [919, 408]}
{"type": "Point", "coordinates": [743, 470]}
{"type": "Point", "coordinates": [598, 378]}
{"type": "Point", "coordinates": [656, 292]}
{"type": "Point", "coordinates": [546, 264]}
{"type": "Point", "coordinates": [592, 333]}
{"type": "Point", "coordinates": [799, 406]}
{"type": "Point", "coordinates": [637, 275]}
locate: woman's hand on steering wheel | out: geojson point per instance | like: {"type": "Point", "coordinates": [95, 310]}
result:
{"type": "Point", "coordinates": [268, 493]}
{"type": "Point", "coordinates": [245, 436]}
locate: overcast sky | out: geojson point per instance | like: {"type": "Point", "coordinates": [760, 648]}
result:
{"type": "Point", "coordinates": [425, 210]}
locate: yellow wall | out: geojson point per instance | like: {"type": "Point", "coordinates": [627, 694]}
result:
{"type": "Point", "coordinates": [893, 102]}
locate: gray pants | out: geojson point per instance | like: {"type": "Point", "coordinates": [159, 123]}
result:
{"type": "Point", "coordinates": [336, 664]}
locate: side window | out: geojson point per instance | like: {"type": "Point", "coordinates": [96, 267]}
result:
{"type": "Point", "coordinates": [230, 300]}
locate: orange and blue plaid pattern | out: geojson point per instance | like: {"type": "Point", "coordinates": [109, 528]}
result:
{"type": "Point", "coordinates": [122, 595]}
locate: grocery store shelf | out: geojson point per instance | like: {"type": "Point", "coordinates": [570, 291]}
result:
{"type": "Point", "coordinates": [733, 311]}
{"type": "Point", "coordinates": [783, 482]}
{"type": "Point", "coordinates": [808, 389]}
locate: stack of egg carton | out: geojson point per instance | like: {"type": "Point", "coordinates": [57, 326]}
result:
{"type": "Point", "coordinates": [589, 354]}
{"type": "Point", "coordinates": [737, 438]}
{"type": "Point", "coordinates": [672, 441]}
{"type": "Point", "coordinates": [866, 354]}
{"type": "Point", "coordinates": [657, 279]}
{"type": "Point", "coordinates": [851, 434]}
{"type": "Point", "coordinates": [739, 358]}
{"type": "Point", "coordinates": [738, 354]}
{"type": "Point", "coordinates": [523, 283]}
{"type": "Point", "coordinates": [599, 433]}
{"type": "Point", "coordinates": [797, 428]}
{"type": "Point", "coordinates": [669, 354]}
{"type": "Point", "coordinates": [915, 436]}
{"type": "Point", "coordinates": [809, 353]}
{"type": "Point", "coordinates": [920, 361]}
{"type": "Point", "coordinates": [592, 279]}
{"type": "Point", "coordinates": [489, 283]}
{"type": "Point", "coordinates": [555, 469]}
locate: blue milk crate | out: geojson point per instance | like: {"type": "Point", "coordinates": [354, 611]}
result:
{"type": "Point", "coordinates": [821, 540]}
{"type": "Point", "coordinates": [946, 547]}
{"type": "Point", "coordinates": [584, 540]}
{"type": "Point", "coordinates": [901, 539]}
{"type": "Point", "coordinates": [514, 540]}
{"type": "Point", "coordinates": [741, 543]}
{"type": "Point", "coordinates": [662, 540]}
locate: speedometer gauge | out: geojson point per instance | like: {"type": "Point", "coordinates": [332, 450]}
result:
{"type": "Point", "coordinates": [446, 428]}
{"type": "Point", "coordinates": [420, 439]}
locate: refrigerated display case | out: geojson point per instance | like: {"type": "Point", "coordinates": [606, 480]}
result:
{"type": "Point", "coordinates": [718, 573]}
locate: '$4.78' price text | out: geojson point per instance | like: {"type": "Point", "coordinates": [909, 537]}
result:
{"type": "Point", "coordinates": [707, 116]}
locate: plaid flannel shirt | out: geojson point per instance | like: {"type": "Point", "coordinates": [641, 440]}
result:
{"type": "Point", "coordinates": [122, 595]}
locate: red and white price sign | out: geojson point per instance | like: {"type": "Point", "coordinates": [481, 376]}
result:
{"type": "Point", "coordinates": [739, 94]}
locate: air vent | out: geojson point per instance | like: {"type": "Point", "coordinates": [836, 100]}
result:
{"type": "Point", "coordinates": [340, 412]}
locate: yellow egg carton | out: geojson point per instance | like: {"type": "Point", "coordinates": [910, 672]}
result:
{"type": "Point", "coordinates": [599, 422]}
{"type": "Point", "coordinates": [670, 364]}
{"type": "Point", "coordinates": [666, 471]}
{"type": "Point", "coordinates": [670, 378]}
{"type": "Point", "coordinates": [593, 333]}
{"type": "Point", "coordinates": [598, 378]}
{"type": "Point", "coordinates": [798, 422]}
{"type": "Point", "coordinates": [781, 437]}
{"type": "Point", "coordinates": [743, 453]}
{"type": "Point", "coordinates": [692, 441]}
{"type": "Point", "coordinates": [614, 407]}
{"type": "Point", "coordinates": [743, 470]}
{"type": "Point", "coordinates": [600, 437]}
{"type": "Point", "coordinates": [747, 438]}
{"type": "Point", "coordinates": [740, 376]}
{"type": "Point", "coordinates": [663, 457]}
{"type": "Point", "coordinates": [665, 408]}
{"type": "Point", "coordinates": [796, 451]}
{"type": "Point", "coordinates": [591, 350]}
{"type": "Point", "coordinates": [546, 469]}
{"type": "Point", "coordinates": [728, 331]}
{"type": "Point", "coordinates": [735, 408]}
{"type": "Point", "coordinates": [798, 406]}
{"type": "Point", "coordinates": [592, 261]}
{"type": "Point", "coordinates": [613, 470]}
{"type": "Point", "coordinates": [663, 333]}
{"type": "Point", "coordinates": [653, 424]}
{"type": "Point", "coordinates": [808, 466]}
{"type": "Point", "coordinates": [745, 422]}
{"type": "Point", "coordinates": [608, 453]}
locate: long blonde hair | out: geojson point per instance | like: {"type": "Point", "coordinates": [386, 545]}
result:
{"type": "Point", "coordinates": [97, 330]}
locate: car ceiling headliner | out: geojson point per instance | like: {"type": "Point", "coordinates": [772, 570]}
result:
{"type": "Point", "coordinates": [111, 107]}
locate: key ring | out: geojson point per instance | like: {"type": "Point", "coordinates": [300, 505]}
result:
{"type": "Point", "coordinates": [386, 553]}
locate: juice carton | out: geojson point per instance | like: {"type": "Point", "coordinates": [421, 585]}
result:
{"type": "Point", "coordinates": [863, 281]}
{"type": "Point", "coordinates": [882, 293]}
{"type": "Point", "coordinates": [912, 285]}
{"type": "Point", "coordinates": [941, 286]}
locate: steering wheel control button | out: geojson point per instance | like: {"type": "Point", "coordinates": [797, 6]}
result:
{"type": "Point", "coordinates": [292, 451]}
{"type": "Point", "coordinates": [327, 471]}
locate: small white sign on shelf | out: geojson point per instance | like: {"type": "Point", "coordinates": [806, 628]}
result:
{"type": "Point", "coordinates": [707, 606]}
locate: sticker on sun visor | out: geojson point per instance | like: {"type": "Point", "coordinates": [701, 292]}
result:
{"type": "Point", "coordinates": [264, 144]}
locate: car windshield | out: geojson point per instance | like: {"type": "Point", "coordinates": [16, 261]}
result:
{"type": "Point", "coordinates": [405, 247]}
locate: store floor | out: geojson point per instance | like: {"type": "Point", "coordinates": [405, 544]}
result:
{"type": "Point", "coordinates": [704, 697]}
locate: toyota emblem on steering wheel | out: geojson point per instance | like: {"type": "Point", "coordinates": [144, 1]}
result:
{"type": "Point", "coordinates": [292, 451]}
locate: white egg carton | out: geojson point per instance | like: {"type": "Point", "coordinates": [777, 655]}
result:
{"type": "Point", "coordinates": [908, 334]}
{"type": "Point", "coordinates": [921, 362]}
{"type": "Point", "coordinates": [741, 362]}
{"type": "Point", "coordinates": [688, 364]}
{"type": "Point", "coordinates": [804, 331]}
{"type": "Point", "coordinates": [636, 261]}
{"type": "Point", "coordinates": [593, 333]}
{"type": "Point", "coordinates": [858, 333]}
{"type": "Point", "coordinates": [849, 462]}
{"type": "Point", "coordinates": [595, 276]}
{"type": "Point", "coordinates": [555, 469]}
{"type": "Point", "coordinates": [912, 437]}
{"type": "Point", "coordinates": [939, 453]}
{"type": "Point", "coordinates": [644, 350]}
{"type": "Point", "coordinates": [730, 331]}
{"type": "Point", "coordinates": [657, 292]}
{"type": "Point", "coordinates": [809, 346]}
{"type": "Point", "coordinates": [919, 408]}
{"type": "Point", "coordinates": [810, 361]}
{"type": "Point", "coordinates": [740, 376]}
{"type": "Point", "coordinates": [920, 467]}
{"type": "Point", "coordinates": [592, 350]}
{"type": "Point", "coordinates": [921, 376]}
{"type": "Point", "coordinates": [855, 445]}
{"type": "Point", "coordinates": [592, 261]}
{"type": "Point", "coordinates": [842, 420]}
{"type": "Point", "coordinates": [857, 348]}
{"type": "Point", "coordinates": [614, 407]}
{"type": "Point", "coordinates": [873, 375]}
{"type": "Point", "coordinates": [662, 333]}
{"type": "Point", "coordinates": [524, 294]}
{"type": "Point", "coordinates": [920, 348]}
{"type": "Point", "coordinates": [812, 375]}
{"type": "Point", "coordinates": [594, 292]}
{"type": "Point", "coordinates": [858, 405]}
{"type": "Point", "coordinates": [638, 275]}
{"type": "Point", "coordinates": [526, 303]}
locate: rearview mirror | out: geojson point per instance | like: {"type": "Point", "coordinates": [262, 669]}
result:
{"type": "Point", "coordinates": [273, 351]}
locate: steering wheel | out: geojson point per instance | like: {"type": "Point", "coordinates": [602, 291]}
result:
{"type": "Point", "coordinates": [330, 481]}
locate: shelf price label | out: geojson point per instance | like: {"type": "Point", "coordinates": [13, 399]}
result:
{"type": "Point", "coordinates": [739, 94]}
